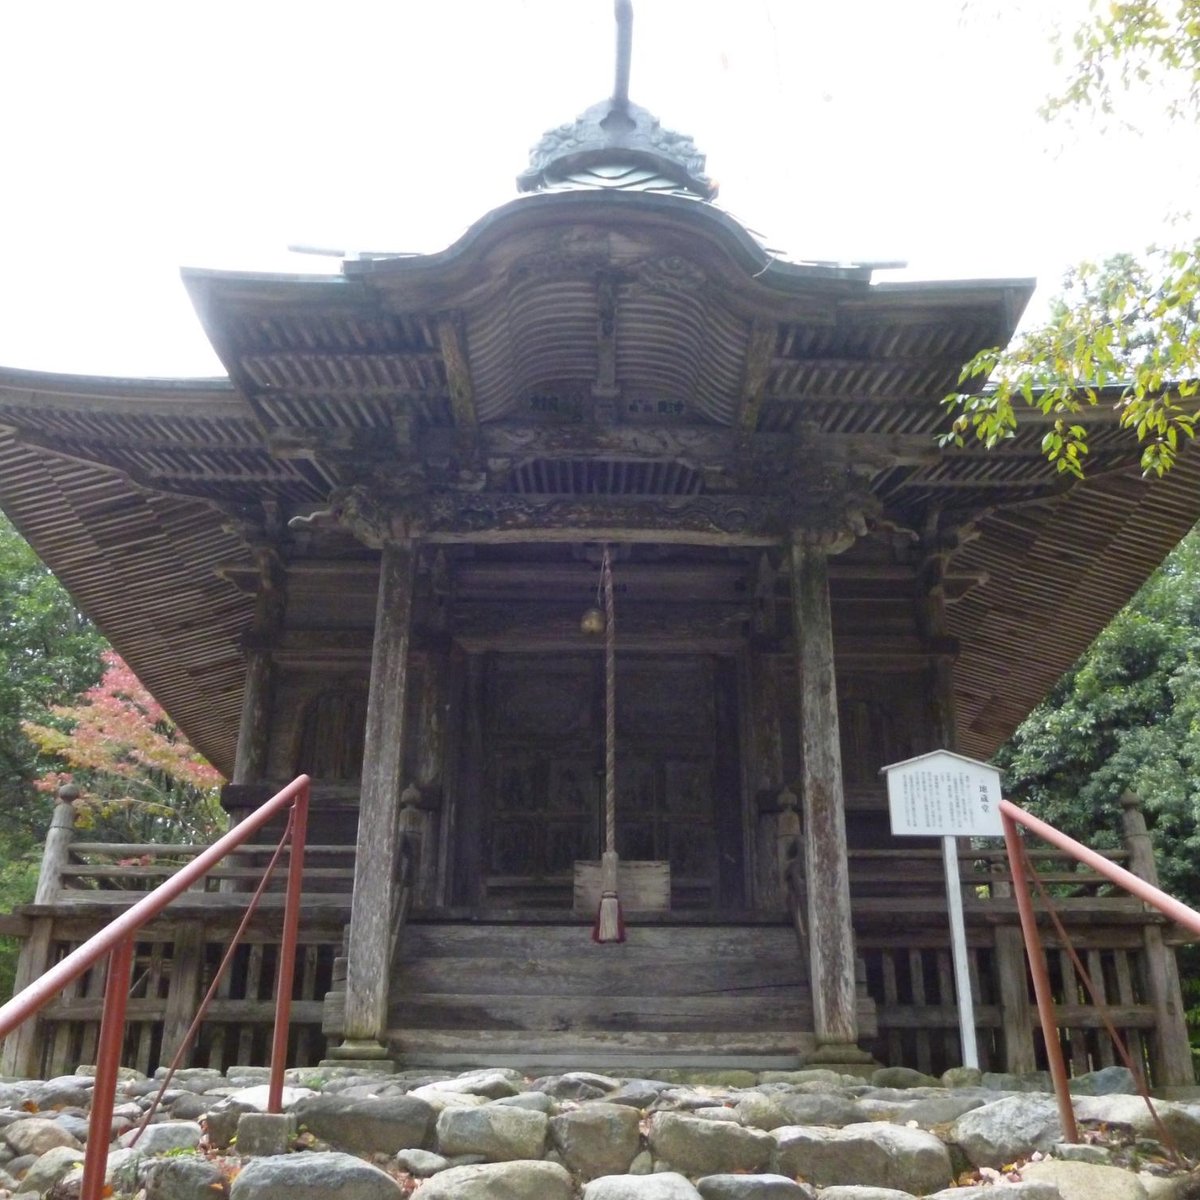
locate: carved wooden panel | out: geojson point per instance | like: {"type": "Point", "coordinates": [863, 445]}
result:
{"type": "Point", "coordinates": [331, 736]}
{"type": "Point", "coordinates": [542, 781]}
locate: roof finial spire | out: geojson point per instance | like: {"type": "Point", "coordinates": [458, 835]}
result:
{"type": "Point", "coordinates": [624, 15]}
{"type": "Point", "coordinates": [617, 144]}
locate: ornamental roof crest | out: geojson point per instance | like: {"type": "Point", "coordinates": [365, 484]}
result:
{"type": "Point", "coordinates": [617, 144]}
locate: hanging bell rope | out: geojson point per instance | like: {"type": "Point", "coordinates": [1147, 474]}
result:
{"type": "Point", "coordinates": [609, 926]}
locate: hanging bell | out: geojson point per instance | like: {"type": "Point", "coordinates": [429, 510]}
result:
{"type": "Point", "coordinates": [592, 622]}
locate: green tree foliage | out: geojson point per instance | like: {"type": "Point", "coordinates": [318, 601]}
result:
{"type": "Point", "coordinates": [48, 653]}
{"type": "Point", "coordinates": [1130, 324]}
{"type": "Point", "coordinates": [1127, 716]}
{"type": "Point", "coordinates": [139, 778]}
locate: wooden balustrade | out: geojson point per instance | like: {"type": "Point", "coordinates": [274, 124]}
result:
{"type": "Point", "coordinates": [901, 929]}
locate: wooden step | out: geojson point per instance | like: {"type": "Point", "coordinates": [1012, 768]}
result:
{"type": "Point", "coordinates": [666, 943]}
{"type": "Point", "coordinates": [606, 974]}
{"type": "Point", "coordinates": [789, 1010]}
{"type": "Point", "coordinates": [624, 1051]}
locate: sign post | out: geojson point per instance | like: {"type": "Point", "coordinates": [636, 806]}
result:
{"type": "Point", "coordinates": [945, 795]}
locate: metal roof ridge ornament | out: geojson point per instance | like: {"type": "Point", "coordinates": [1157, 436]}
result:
{"type": "Point", "coordinates": [617, 144]}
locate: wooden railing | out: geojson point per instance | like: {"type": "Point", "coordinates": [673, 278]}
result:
{"type": "Point", "coordinates": [112, 949]}
{"type": "Point", "coordinates": [899, 911]}
{"type": "Point", "coordinates": [902, 934]}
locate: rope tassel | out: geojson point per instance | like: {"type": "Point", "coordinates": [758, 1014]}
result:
{"type": "Point", "coordinates": [609, 926]}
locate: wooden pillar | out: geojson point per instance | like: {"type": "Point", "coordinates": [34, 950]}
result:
{"type": "Point", "coordinates": [1016, 1012]}
{"type": "Point", "coordinates": [830, 932]}
{"type": "Point", "coordinates": [23, 1047]}
{"type": "Point", "coordinates": [57, 851]}
{"type": "Point", "coordinates": [1172, 1055]}
{"type": "Point", "coordinates": [250, 763]}
{"type": "Point", "coordinates": [184, 988]}
{"type": "Point", "coordinates": [375, 891]}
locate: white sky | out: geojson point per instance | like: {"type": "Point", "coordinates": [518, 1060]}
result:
{"type": "Point", "coordinates": [139, 137]}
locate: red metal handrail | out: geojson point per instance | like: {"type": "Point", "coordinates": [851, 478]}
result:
{"type": "Point", "coordinates": [1011, 816]}
{"type": "Point", "coordinates": [116, 940]}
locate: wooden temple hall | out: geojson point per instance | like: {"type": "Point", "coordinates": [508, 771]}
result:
{"type": "Point", "coordinates": [367, 553]}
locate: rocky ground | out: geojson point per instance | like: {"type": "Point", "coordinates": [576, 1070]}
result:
{"type": "Point", "coordinates": [497, 1135]}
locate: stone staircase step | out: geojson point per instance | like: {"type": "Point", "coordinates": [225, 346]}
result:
{"type": "Point", "coordinates": [633, 1051]}
{"type": "Point", "coordinates": [789, 1009]}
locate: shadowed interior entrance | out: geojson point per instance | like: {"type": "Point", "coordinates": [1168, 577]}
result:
{"type": "Point", "coordinates": [540, 739]}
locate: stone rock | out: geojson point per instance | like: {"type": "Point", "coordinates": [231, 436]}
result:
{"type": "Point", "coordinates": [261, 1134]}
{"type": "Point", "coordinates": [597, 1139]}
{"type": "Point", "coordinates": [643, 1164]}
{"type": "Point", "coordinates": [1007, 1129]}
{"type": "Point", "coordinates": [191, 1106]}
{"type": "Point", "coordinates": [958, 1077]}
{"type": "Point", "coordinates": [901, 1077]}
{"type": "Point", "coordinates": [494, 1084]}
{"type": "Point", "coordinates": [821, 1108]}
{"type": "Point", "coordinates": [185, 1178]}
{"type": "Point", "coordinates": [438, 1097]}
{"type": "Point", "coordinates": [666, 1185]}
{"type": "Point", "coordinates": [1108, 1081]}
{"type": "Point", "coordinates": [222, 1121]}
{"type": "Point", "coordinates": [937, 1110]}
{"type": "Point", "coordinates": [716, 1112]}
{"type": "Point", "coordinates": [47, 1169]}
{"type": "Point", "coordinates": [758, 1110]}
{"type": "Point", "coordinates": [164, 1136]}
{"type": "Point", "coordinates": [1082, 1152]}
{"type": "Point", "coordinates": [76, 1125]}
{"type": "Point", "coordinates": [1164, 1187]}
{"type": "Point", "coordinates": [1034, 1081]}
{"type": "Point", "coordinates": [638, 1093]}
{"type": "Point", "coordinates": [1025, 1190]}
{"type": "Point", "coordinates": [313, 1176]}
{"type": "Point", "coordinates": [820, 1075]}
{"type": "Point", "coordinates": [575, 1085]}
{"type": "Point", "coordinates": [538, 1101]}
{"type": "Point", "coordinates": [500, 1181]}
{"type": "Point", "coordinates": [382, 1126]}
{"type": "Point", "coordinates": [695, 1146]}
{"type": "Point", "coordinates": [850, 1191]}
{"type": "Point", "coordinates": [36, 1135]}
{"type": "Point", "coordinates": [121, 1169]}
{"type": "Point", "coordinates": [1183, 1124]}
{"type": "Point", "coordinates": [65, 1091]}
{"type": "Point", "coordinates": [1084, 1181]}
{"type": "Point", "coordinates": [753, 1187]}
{"type": "Point", "coordinates": [421, 1163]}
{"type": "Point", "coordinates": [199, 1079]}
{"type": "Point", "coordinates": [873, 1154]}
{"type": "Point", "coordinates": [499, 1133]}
{"type": "Point", "coordinates": [257, 1097]}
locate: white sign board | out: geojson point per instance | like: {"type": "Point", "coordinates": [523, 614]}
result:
{"type": "Point", "coordinates": [944, 795]}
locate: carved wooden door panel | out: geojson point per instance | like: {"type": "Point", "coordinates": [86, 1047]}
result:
{"type": "Point", "coordinates": [540, 810]}
{"type": "Point", "coordinates": [678, 795]}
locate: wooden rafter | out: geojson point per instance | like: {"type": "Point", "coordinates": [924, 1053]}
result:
{"type": "Point", "coordinates": [453, 342]}
{"type": "Point", "coordinates": [756, 370]}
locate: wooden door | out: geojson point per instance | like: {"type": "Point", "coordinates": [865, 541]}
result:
{"type": "Point", "coordinates": [678, 796]}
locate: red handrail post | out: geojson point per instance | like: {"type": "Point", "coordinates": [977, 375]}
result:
{"type": "Point", "coordinates": [287, 950]}
{"type": "Point", "coordinates": [1036, 954]}
{"type": "Point", "coordinates": [108, 1062]}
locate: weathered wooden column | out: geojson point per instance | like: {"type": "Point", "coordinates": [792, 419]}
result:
{"type": "Point", "coordinates": [23, 1047]}
{"type": "Point", "coordinates": [830, 932]}
{"type": "Point", "coordinates": [1172, 1054]}
{"type": "Point", "coordinates": [250, 762]}
{"type": "Point", "coordinates": [375, 884]}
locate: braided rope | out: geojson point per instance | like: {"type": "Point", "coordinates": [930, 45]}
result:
{"type": "Point", "coordinates": [610, 708]}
